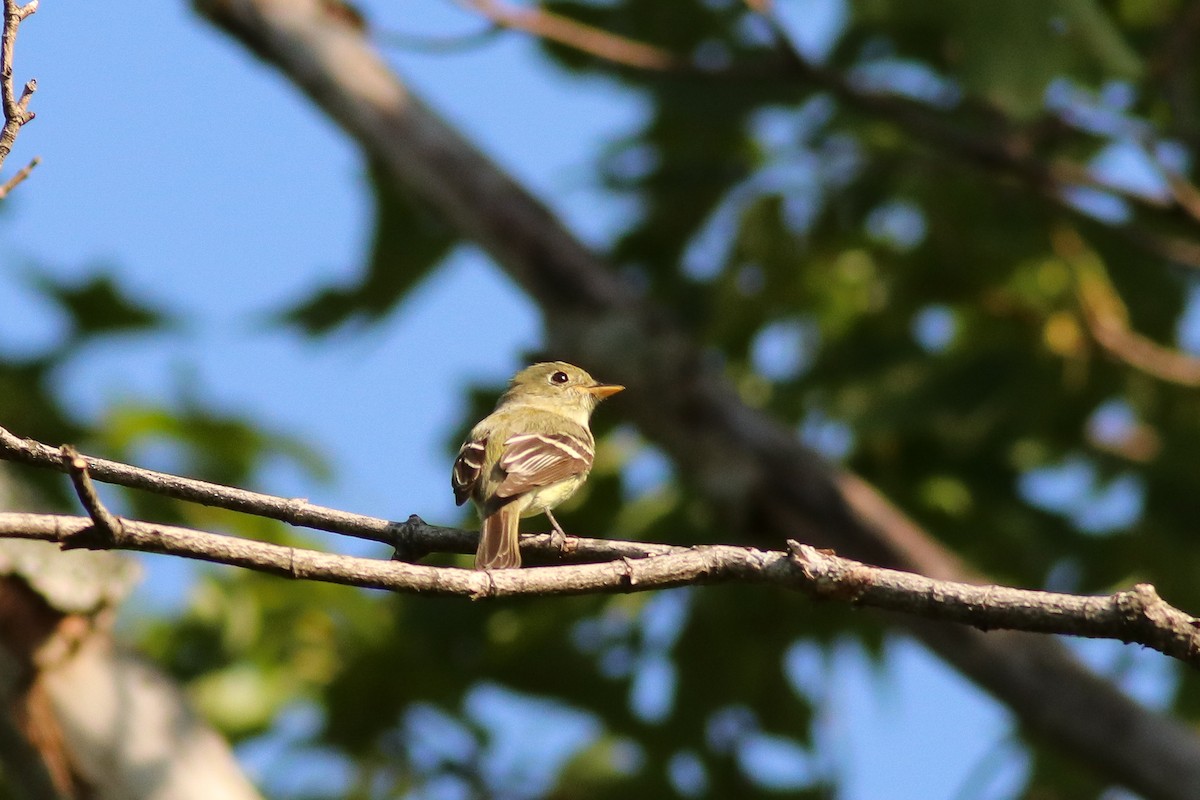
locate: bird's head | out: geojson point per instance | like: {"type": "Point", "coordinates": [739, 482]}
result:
{"type": "Point", "coordinates": [557, 383]}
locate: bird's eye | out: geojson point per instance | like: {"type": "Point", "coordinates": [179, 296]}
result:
{"type": "Point", "coordinates": [559, 377]}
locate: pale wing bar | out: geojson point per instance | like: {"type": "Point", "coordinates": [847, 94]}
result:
{"type": "Point", "coordinates": [532, 460]}
{"type": "Point", "coordinates": [467, 467]}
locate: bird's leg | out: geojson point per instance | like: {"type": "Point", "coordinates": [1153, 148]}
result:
{"type": "Point", "coordinates": [558, 537]}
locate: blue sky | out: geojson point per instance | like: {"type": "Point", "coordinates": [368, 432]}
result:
{"type": "Point", "coordinates": [216, 192]}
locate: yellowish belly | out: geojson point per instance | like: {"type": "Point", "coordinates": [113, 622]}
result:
{"type": "Point", "coordinates": [537, 501]}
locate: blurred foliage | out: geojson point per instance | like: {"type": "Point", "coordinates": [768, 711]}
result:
{"type": "Point", "coordinates": [97, 307]}
{"type": "Point", "coordinates": [29, 397]}
{"type": "Point", "coordinates": [877, 239]}
{"type": "Point", "coordinates": [408, 243]}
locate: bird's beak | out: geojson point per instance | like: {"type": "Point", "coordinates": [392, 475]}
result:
{"type": "Point", "coordinates": [603, 390]}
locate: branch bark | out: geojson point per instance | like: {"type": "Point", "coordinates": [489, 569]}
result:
{"type": "Point", "coordinates": [1107, 318]}
{"type": "Point", "coordinates": [752, 467]}
{"type": "Point", "coordinates": [1137, 615]}
{"type": "Point", "coordinates": [294, 511]}
{"type": "Point", "coordinates": [15, 108]}
{"type": "Point", "coordinates": [572, 33]}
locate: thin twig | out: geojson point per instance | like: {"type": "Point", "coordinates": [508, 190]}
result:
{"type": "Point", "coordinates": [15, 109]}
{"type": "Point", "coordinates": [438, 45]}
{"type": "Point", "coordinates": [1107, 318]}
{"type": "Point", "coordinates": [107, 530]}
{"type": "Point", "coordinates": [292, 511]}
{"type": "Point", "coordinates": [577, 35]}
{"type": "Point", "coordinates": [1186, 194]}
{"type": "Point", "coordinates": [18, 178]}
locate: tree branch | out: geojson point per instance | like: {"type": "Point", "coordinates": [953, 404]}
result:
{"type": "Point", "coordinates": [574, 34]}
{"type": "Point", "coordinates": [16, 109]}
{"type": "Point", "coordinates": [296, 511]}
{"type": "Point", "coordinates": [106, 524]}
{"type": "Point", "coordinates": [412, 539]}
{"type": "Point", "coordinates": [1138, 615]}
{"type": "Point", "coordinates": [1107, 318]}
{"type": "Point", "coordinates": [748, 465]}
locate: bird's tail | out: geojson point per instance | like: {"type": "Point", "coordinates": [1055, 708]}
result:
{"type": "Point", "coordinates": [498, 540]}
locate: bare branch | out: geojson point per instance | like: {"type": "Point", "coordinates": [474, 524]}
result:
{"type": "Point", "coordinates": [398, 576]}
{"type": "Point", "coordinates": [1137, 615]}
{"type": "Point", "coordinates": [16, 109]}
{"type": "Point", "coordinates": [292, 511]}
{"type": "Point", "coordinates": [18, 177]}
{"type": "Point", "coordinates": [1108, 319]}
{"type": "Point", "coordinates": [1186, 194]}
{"type": "Point", "coordinates": [436, 44]}
{"type": "Point", "coordinates": [107, 525]}
{"type": "Point", "coordinates": [572, 33]}
{"type": "Point", "coordinates": [412, 539]}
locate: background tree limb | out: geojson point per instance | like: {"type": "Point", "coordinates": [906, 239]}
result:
{"type": "Point", "coordinates": [1107, 318]}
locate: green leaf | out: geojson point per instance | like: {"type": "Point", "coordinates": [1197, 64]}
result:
{"type": "Point", "coordinates": [98, 306]}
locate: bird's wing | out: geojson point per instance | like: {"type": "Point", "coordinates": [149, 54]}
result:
{"type": "Point", "coordinates": [467, 468]}
{"type": "Point", "coordinates": [532, 460]}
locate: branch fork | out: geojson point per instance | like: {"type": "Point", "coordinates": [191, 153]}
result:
{"type": "Point", "coordinates": [107, 530]}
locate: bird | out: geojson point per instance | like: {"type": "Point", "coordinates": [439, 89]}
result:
{"type": "Point", "coordinates": [530, 454]}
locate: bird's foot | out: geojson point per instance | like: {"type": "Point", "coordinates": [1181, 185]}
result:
{"type": "Point", "coordinates": [558, 537]}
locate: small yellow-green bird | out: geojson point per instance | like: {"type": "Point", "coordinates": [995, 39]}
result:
{"type": "Point", "coordinates": [530, 454]}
